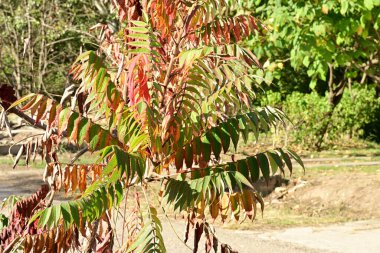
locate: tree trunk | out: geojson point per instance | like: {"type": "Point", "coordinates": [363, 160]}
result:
{"type": "Point", "coordinates": [335, 96]}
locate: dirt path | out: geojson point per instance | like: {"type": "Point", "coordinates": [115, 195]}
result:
{"type": "Point", "coordinates": [342, 164]}
{"type": "Point", "coordinates": [353, 237]}
{"type": "Point", "coordinates": [242, 241]}
{"type": "Point", "coordinates": [19, 181]}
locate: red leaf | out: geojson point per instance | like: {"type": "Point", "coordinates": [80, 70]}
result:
{"type": "Point", "coordinates": [41, 111]}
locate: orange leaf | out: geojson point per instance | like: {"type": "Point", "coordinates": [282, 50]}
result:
{"type": "Point", "coordinates": [74, 178]}
{"type": "Point", "coordinates": [66, 178]}
{"type": "Point", "coordinates": [28, 244]}
{"type": "Point", "coordinates": [82, 178]}
{"type": "Point", "coordinates": [223, 205]}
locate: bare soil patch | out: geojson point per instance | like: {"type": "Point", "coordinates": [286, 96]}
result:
{"type": "Point", "coordinates": [351, 195]}
{"type": "Point", "coordinates": [20, 181]}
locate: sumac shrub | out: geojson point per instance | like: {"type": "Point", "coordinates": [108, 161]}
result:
{"type": "Point", "coordinates": [160, 101]}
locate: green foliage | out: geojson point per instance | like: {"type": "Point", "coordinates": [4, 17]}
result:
{"type": "Point", "coordinates": [358, 108]}
{"type": "Point", "coordinates": [209, 185]}
{"type": "Point", "coordinates": [3, 221]}
{"type": "Point", "coordinates": [149, 239]}
{"type": "Point", "coordinates": [304, 37]}
{"type": "Point", "coordinates": [102, 195]}
{"type": "Point", "coordinates": [307, 114]}
{"type": "Point", "coordinates": [321, 47]}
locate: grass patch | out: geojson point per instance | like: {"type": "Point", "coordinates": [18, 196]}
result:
{"type": "Point", "coordinates": [40, 164]}
{"type": "Point", "coordinates": [342, 169]}
{"type": "Point", "coordinates": [285, 216]}
{"type": "Point", "coordinates": [7, 161]}
{"type": "Point", "coordinates": [353, 152]}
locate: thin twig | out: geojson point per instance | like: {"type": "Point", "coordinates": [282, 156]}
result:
{"type": "Point", "coordinates": [171, 225]}
{"type": "Point", "coordinates": [27, 118]}
{"type": "Point", "coordinates": [78, 155]}
{"type": "Point", "coordinates": [125, 209]}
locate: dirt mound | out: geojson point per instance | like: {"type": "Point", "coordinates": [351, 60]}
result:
{"type": "Point", "coordinates": [351, 194]}
{"type": "Point", "coordinates": [354, 196]}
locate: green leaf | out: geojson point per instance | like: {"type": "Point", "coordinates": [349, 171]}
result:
{"type": "Point", "coordinates": [74, 211]}
{"type": "Point", "coordinates": [63, 119]}
{"type": "Point", "coordinates": [253, 168]}
{"type": "Point", "coordinates": [112, 163]}
{"type": "Point", "coordinates": [241, 178]}
{"type": "Point", "coordinates": [144, 44]}
{"type": "Point", "coordinates": [227, 180]}
{"type": "Point", "coordinates": [35, 216]}
{"type": "Point", "coordinates": [140, 169]}
{"type": "Point", "coordinates": [296, 157]}
{"type": "Point", "coordinates": [216, 144]}
{"type": "Point", "coordinates": [233, 130]}
{"type": "Point", "coordinates": [205, 149]}
{"type": "Point", "coordinates": [119, 192]}
{"type": "Point", "coordinates": [287, 160]}
{"type": "Point", "coordinates": [272, 163]}
{"type": "Point", "coordinates": [83, 127]}
{"type": "Point", "coordinates": [55, 214]}
{"type": "Point", "coordinates": [66, 215]}
{"type": "Point", "coordinates": [44, 217]}
{"type": "Point", "coordinates": [95, 132]}
{"type": "Point", "coordinates": [139, 51]}
{"type": "Point", "coordinates": [313, 83]}
{"type": "Point", "coordinates": [242, 167]}
{"type": "Point", "coordinates": [188, 156]}
{"type": "Point", "coordinates": [264, 165]}
{"type": "Point", "coordinates": [368, 4]}
{"type": "Point", "coordinates": [278, 160]}
{"type": "Point", "coordinates": [138, 29]}
{"type": "Point", "coordinates": [70, 125]}
{"type": "Point", "coordinates": [139, 36]}
{"type": "Point", "coordinates": [138, 23]}
{"type": "Point", "coordinates": [222, 132]}
{"type": "Point", "coordinates": [344, 8]}
{"type": "Point", "coordinates": [111, 196]}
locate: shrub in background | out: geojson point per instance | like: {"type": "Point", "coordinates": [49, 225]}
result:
{"type": "Point", "coordinates": [356, 116]}
{"type": "Point", "coordinates": [358, 110]}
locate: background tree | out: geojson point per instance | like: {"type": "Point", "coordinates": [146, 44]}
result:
{"type": "Point", "coordinates": [160, 100]}
{"type": "Point", "coordinates": [40, 39]}
{"type": "Point", "coordinates": [320, 45]}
